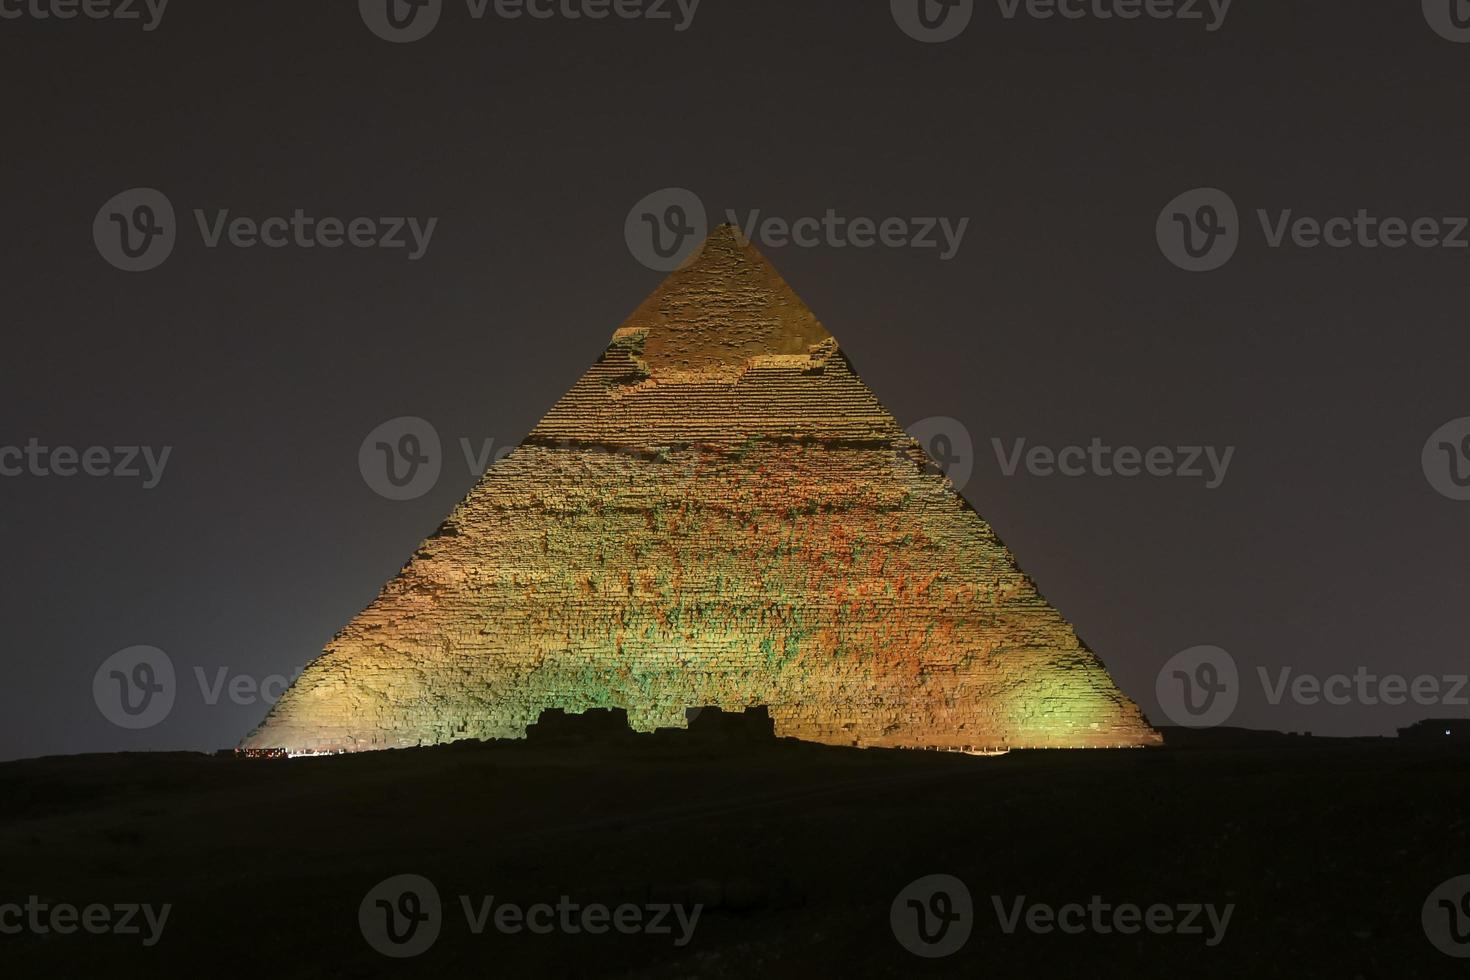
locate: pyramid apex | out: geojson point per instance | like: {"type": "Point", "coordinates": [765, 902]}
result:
{"type": "Point", "coordinates": [732, 230]}
{"type": "Point", "coordinates": [725, 305]}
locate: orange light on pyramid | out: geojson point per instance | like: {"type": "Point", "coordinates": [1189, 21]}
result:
{"type": "Point", "coordinates": [718, 513]}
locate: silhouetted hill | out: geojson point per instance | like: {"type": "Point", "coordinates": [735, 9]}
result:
{"type": "Point", "coordinates": [796, 852]}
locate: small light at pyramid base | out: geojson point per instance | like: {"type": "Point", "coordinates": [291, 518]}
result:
{"type": "Point", "coordinates": [718, 513]}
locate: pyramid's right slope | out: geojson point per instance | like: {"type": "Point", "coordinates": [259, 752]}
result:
{"type": "Point", "coordinates": [718, 513]}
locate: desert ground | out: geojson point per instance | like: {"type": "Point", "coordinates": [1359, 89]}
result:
{"type": "Point", "coordinates": [1325, 849]}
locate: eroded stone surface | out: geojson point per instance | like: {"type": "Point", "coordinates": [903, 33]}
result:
{"type": "Point", "coordinates": [718, 513]}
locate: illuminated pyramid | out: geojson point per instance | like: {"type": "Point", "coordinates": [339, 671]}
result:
{"type": "Point", "coordinates": [718, 513]}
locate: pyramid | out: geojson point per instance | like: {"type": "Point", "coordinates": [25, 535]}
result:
{"type": "Point", "coordinates": [719, 513]}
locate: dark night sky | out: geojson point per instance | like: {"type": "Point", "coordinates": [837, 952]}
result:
{"type": "Point", "coordinates": [1326, 549]}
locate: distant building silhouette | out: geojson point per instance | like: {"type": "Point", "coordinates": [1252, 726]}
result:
{"type": "Point", "coordinates": [754, 724]}
{"type": "Point", "coordinates": [705, 724]}
{"type": "Point", "coordinates": [555, 723]}
{"type": "Point", "coordinates": [1437, 728]}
